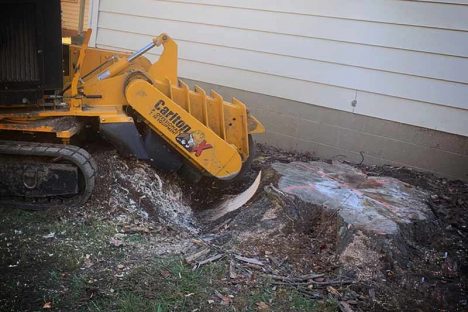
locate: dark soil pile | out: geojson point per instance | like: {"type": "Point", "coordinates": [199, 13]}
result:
{"type": "Point", "coordinates": [436, 275]}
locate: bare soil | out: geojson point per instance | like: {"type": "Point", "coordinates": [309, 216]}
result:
{"type": "Point", "coordinates": [125, 249]}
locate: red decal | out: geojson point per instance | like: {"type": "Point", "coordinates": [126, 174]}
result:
{"type": "Point", "coordinates": [201, 147]}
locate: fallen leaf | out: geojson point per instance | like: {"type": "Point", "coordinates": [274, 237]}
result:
{"type": "Point", "coordinates": [87, 263]}
{"type": "Point", "coordinates": [262, 306]}
{"type": "Point", "coordinates": [225, 300]}
{"type": "Point", "coordinates": [115, 242]}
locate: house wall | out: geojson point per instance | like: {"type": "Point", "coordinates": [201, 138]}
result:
{"type": "Point", "coordinates": [387, 71]}
{"type": "Point", "coordinates": [339, 135]}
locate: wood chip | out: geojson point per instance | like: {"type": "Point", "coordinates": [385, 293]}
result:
{"type": "Point", "coordinates": [198, 242]}
{"type": "Point", "coordinates": [333, 291]}
{"type": "Point", "coordinates": [47, 305]}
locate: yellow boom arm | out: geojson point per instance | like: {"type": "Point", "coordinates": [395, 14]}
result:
{"type": "Point", "coordinates": [209, 132]}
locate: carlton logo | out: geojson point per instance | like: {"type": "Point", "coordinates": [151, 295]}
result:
{"type": "Point", "coordinates": [169, 119]}
{"type": "Point", "coordinates": [194, 142]}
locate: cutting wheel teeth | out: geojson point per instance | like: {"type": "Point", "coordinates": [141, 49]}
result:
{"type": "Point", "coordinates": [227, 119]}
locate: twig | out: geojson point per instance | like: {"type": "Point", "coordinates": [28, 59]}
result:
{"type": "Point", "coordinates": [253, 266]}
{"type": "Point", "coordinates": [197, 255]}
{"type": "Point", "coordinates": [249, 260]}
{"type": "Point", "coordinates": [312, 282]}
{"type": "Point", "coordinates": [293, 279]}
{"type": "Point", "coordinates": [209, 260]}
{"type": "Point", "coordinates": [309, 294]}
{"type": "Point", "coordinates": [277, 190]}
{"type": "Point", "coordinates": [290, 283]}
{"type": "Point", "coordinates": [334, 282]}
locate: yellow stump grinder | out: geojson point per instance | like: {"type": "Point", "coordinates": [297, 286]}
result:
{"type": "Point", "coordinates": [142, 108]}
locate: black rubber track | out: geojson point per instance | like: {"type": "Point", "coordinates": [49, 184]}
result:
{"type": "Point", "coordinates": [69, 153]}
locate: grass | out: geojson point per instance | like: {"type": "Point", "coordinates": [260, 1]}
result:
{"type": "Point", "coordinates": [54, 270]}
{"type": "Point", "coordinates": [48, 269]}
{"type": "Point", "coordinates": [170, 285]}
{"type": "Point", "coordinates": [135, 238]}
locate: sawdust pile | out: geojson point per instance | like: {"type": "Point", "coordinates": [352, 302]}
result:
{"type": "Point", "coordinates": [138, 188]}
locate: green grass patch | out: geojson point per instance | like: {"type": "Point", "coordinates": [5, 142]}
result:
{"type": "Point", "coordinates": [135, 238]}
{"type": "Point", "coordinates": [171, 285]}
{"type": "Point", "coordinates": [168, 284]}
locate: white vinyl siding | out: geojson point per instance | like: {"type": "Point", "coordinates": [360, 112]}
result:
{"type": "Point", "coordinates": [405, 61]}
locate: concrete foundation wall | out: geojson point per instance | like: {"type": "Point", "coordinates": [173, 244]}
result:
{"type": "Point", "coordinates": [330, 133]}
